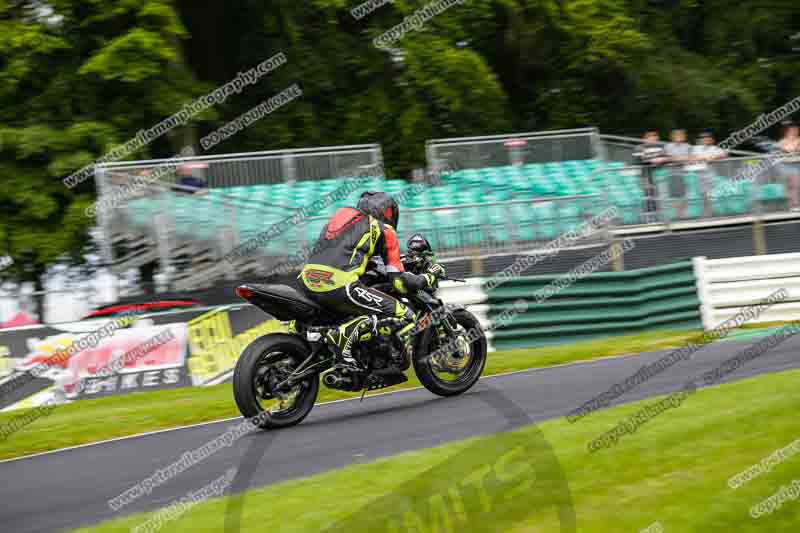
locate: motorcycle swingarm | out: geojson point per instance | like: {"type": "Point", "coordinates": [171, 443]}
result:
{"type": "Point", "coordinates": [303, 371]}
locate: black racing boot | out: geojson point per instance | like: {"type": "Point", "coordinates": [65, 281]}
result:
{"type": "Point", "coordinates": [403, 341]}
{"type": "Point", "coordinates": [342, 339]}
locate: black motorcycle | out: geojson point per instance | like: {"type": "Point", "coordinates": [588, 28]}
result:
{"type": "Point", "coordinates": [276, 379]}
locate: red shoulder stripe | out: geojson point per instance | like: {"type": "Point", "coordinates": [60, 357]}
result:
{"type": "Point", "coordinates": [392, 250]}
{"type": "Point", "coordinates": [342, 220]}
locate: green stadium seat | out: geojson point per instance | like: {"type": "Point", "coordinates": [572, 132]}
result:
{"type": "Point", "coordinates": [495, 220]}
{"type": "Point", "coordinates": [532, 173]}
{"type": "Point", "coordinates": [772, 192]}
{"type": "Point", "coordinates": [742, 199]}
{"type": "Point", "coordinates": [418, 200]}
{"type": "Point", "coordinates": [545, 216]}
{"type": "Point", "coordinates": [468, 196]}
{"type": "Point", "coordinates": [544, 186]}
{"type": "Point", "coordinates": [498, 195]}
{"type": "Point", "coordinates": [395, 189]}
{"type": "Point", "coordinates": [439, 197]}
{"type": "Point", "coordinates": [447, 229]}
{"type": "Point", "coordinates": [523, 220]}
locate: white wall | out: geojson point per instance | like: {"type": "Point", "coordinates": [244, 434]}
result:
{"type": "Point", "coordinates": [727, 285]}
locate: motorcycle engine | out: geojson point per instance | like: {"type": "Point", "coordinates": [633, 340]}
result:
{"type": "Point", "coordinates": [381, 352]}
{"type": "Point", "coordinates": [375, 354]}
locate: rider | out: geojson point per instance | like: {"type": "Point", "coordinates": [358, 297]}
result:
{"type": "Point", "coordinates": [332, 275]}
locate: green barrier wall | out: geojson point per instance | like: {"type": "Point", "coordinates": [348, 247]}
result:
{"type": "Point", "coordinates": [599, 305]}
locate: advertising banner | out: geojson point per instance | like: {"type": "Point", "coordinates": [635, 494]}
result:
{"type": "Point", "coordinates": [151, 352]}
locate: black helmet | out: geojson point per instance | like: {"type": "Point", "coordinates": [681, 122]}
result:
{"type": "Point", "coordinates": [419, 244]}
{"type": "Point", "coordinates": [381, 206]}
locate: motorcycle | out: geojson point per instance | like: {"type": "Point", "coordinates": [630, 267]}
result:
{"type": "Point", "coordinates": [276, 379]}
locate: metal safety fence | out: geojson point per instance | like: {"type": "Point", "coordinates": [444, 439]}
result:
{"type": "Point", "coordinates": [620, 149]}
{"type": "Point", "coordinates": [504, 227]}
{"type": "Point", "coordinates": [529, 188]}
{"type": "Point", "coordinates": [149, 212]}
{"type": "Point", "coordinates": [698, 191]}
{"type": "Point", "coordinates": [254, 168]}
{"type": "Point", "coordinates": [512, 149]}
{"type": "Point", "coordinates": [193, 246]}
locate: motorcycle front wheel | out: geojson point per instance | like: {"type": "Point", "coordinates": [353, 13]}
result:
{"type": "Point", "coordinates": [452, 365]}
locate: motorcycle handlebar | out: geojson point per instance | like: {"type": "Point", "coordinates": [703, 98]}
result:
{"type": "Point", "coordinates": [387, 287]}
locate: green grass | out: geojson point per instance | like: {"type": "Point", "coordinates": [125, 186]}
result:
{"type": "Point", "coordinates": [95, 420]}
{"type": "Point", "coordinates": [767, 325]}
{"type": "Point", "coordinates": [673, 470]}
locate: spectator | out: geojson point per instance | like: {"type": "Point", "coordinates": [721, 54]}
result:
{"type": "Point", "coordinates": [789, 149]}
{"type": "Point", "coordinates": [707, 150]}
{"type": "Point", "coordinates": [191, 173]}
{"type": "Point", "coordinates": [650, 155]}
{"type": "Point", "coordinates": [191, 180]}
{"type": "Point", "coordinates": [118, 179]}
{"type": "Point", "coordinates": [149, 183]}
{"type": "Point", "coordinates": [702, 153]}
{"type": "Point", "coordinates": [132, 184]}
{"type": "Point", "coordinates": [197, 183]}
{"type": "Point", "coordinates": [678, 151]}
{"type": "Point", "coordinates": [651, 151]}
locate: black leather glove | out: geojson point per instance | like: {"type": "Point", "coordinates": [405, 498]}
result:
{"type": "Point", "coordinates": [434, 273]}
{"type": "Point", "coordinates": [437, 270]}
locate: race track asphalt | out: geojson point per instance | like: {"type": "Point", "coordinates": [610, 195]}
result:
{"type": "Point", "coordinates": [68, 489]}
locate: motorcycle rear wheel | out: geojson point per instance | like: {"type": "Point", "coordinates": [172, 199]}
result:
{"type": "Point", "coordinates": [264, 362]}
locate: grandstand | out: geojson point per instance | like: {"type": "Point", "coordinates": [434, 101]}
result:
{"type": "Point", "coordinates": [484, 195]}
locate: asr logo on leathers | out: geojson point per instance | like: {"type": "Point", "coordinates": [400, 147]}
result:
{"type": "Point", "coordinates": [318, 277]}
{"type": "Point", "coordinates": [368, 296]}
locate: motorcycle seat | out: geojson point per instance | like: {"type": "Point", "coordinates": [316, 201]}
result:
{"type": "Point", "coordinates": [285, 302]}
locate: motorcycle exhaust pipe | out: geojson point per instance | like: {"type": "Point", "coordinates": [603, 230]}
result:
{"type": "Point", "coordinates": [336, 381]}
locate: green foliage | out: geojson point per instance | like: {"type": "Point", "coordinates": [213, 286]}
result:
{"type": "Point", "coordinates": [87, 75]}
{"type": "Point", "coordinates": [73, 85]}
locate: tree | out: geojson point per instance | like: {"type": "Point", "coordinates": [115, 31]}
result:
{"type": "Point", "coordinates": [76, 79]}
